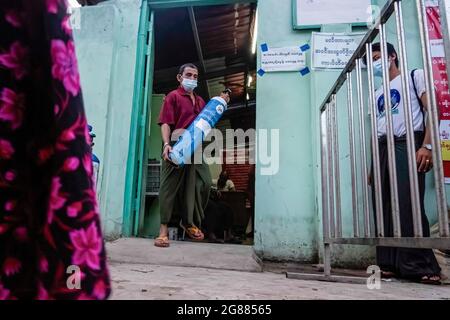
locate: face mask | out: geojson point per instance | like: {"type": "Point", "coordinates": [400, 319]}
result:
{"type": "Point", "coordinates": [378, 68]}
{"type": "Point", "coordinates": [189, 85]}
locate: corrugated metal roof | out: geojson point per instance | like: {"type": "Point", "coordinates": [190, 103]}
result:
{"type": "Point", "coordinates": [225, 37]}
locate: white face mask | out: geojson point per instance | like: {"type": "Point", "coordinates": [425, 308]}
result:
{"type": "Point", "coordinates": [189, 85]}
{"type": "Point", "coordinates": [378, 67]}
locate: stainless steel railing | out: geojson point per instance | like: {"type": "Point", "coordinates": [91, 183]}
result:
{"type": "Point", "coordinates": [372, 232]}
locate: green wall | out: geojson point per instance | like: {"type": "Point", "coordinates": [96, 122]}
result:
{"type": "Point", "coordinates": [106, 50]}
{"type": "Point", "coordinates": [286, 217]}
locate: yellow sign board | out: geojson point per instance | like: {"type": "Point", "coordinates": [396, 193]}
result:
{"type": "Point", "coordinates": [445, 144]}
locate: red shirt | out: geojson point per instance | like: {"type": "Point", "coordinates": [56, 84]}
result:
{"type": "Point", "coordinates": [178, 110]}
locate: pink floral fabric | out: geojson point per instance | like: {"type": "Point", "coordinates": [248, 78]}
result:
{"type": "Point", "coordinates": [49, 219]}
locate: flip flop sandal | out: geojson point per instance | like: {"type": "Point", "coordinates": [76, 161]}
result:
{"type": "Point", "coordinates": [162, 242]}
{"type": "Point", "coordinates": [193, 232]}
{"type": "Point", "coordinates": [428, 280]}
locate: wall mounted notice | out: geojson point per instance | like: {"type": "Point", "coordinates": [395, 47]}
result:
{"type": "Point", "coordinates": [333, 50]}
{"type": "Point", "coordinates": [314, 13]}
{"type": "Point", "coordinates": [282, 59]}
{"type": "Point", "coordinates": [441, 80]}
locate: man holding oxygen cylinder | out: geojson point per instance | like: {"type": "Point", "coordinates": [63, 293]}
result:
{"type": "Point", "coordinates": [184, 189]}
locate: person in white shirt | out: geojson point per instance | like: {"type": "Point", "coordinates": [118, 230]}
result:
{"type": "Point", "coordinates": [412, 263]}
{"type": "Point", "coordinates": [224, 183]}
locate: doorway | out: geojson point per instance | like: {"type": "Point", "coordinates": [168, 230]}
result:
{"type": "Point", "coordinates": [218, 39]}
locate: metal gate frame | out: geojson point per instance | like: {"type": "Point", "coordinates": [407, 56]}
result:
{"type": "Point", "coordinates": [330, 175]}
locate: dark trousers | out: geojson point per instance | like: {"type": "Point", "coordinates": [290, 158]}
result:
{"type": "Point", "coordinates": [405, 262]}
{"type": "Point", "coordinates": [184, 191]}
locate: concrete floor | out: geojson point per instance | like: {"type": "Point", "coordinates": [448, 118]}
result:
{"type": "Point", "coordinates": [213, 271]}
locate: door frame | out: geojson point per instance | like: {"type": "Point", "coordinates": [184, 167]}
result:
{"type": "Point", "coordinates": [136, 150]}
{"type": "Point", "coordinates": [133, 211]}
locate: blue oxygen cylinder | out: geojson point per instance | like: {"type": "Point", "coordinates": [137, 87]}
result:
{"type": "Point", "coordinates": [195, 134]}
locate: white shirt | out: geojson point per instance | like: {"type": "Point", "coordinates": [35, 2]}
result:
{"type": "Point", "coordinates": [229, 186]}
{"type": "Point", "coordinates": [398, 115]}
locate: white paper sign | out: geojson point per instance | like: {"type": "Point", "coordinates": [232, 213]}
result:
{"type": "Point", "coordinates": [333, 50]}
{"type": "Point", "coordinates": [437, 48]}
{"type": "Point", "coordinates": [283, 59]}
{"type": "Point", "coordinates": [431, 3]}
{"type": "Point", "coordinates": [445, 129]}
{"type": "Point", "coordinates": [318, 12]}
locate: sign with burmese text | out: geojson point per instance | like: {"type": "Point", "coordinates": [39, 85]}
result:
{"type": "Point", "coordinates": [283, 59]}
{"type": "Point", "coordinates": [333, 50]}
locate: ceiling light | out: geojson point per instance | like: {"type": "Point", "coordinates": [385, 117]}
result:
{"type": "Point", "coordinates": [250, 80]}
{"type": "Point", "coordinates": [255, 32]}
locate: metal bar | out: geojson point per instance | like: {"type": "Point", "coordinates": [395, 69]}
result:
{"type": "Point", "coordinates": [246, 87]}
{"type": "Point", "coordinates": [405, 242]}
{"type": "Point", "coordinates": [324, 170]}
{"type": "Point", "coordinates": [352, 155]}
{"type": "Point", "coordinates": [385, 14]}
{"type": "Point", "coordinates": [330, 172]}
{"type": "Point", "coordinates": [390, 135]}
{"type": "Point", "coordinates": [327, 259]}
{"type": "Point", "coordinates": [337, 173]}
{"type": "Point", "coordinates": [362, 133]}
{"type": "Point", "coordinates": [198, 44]}
{"type": "Point", "coordinates": [434, 121]}
{"type": "Point", "coordinates": [445, 30]}
{"type": "Point", "coordinates": [376, 175]}
{"type": "Point", "coordinates": [407, 107]}
{"type": "Point", "coordinates": [329, 278]}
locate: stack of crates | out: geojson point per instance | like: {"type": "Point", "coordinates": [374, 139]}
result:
{"type": "Point", "coordinates": [153, 177]}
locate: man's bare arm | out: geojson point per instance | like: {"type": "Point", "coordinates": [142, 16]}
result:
{"type": "Point", "coordinates": [165, 133]}
{"type": "Point", "coordinates": [424, 156]}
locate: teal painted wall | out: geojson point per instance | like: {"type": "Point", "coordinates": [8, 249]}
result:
{"type": "Point", "coordinates": [106, 50]}
{"type": "Point", "coordinates": [286, 217]}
